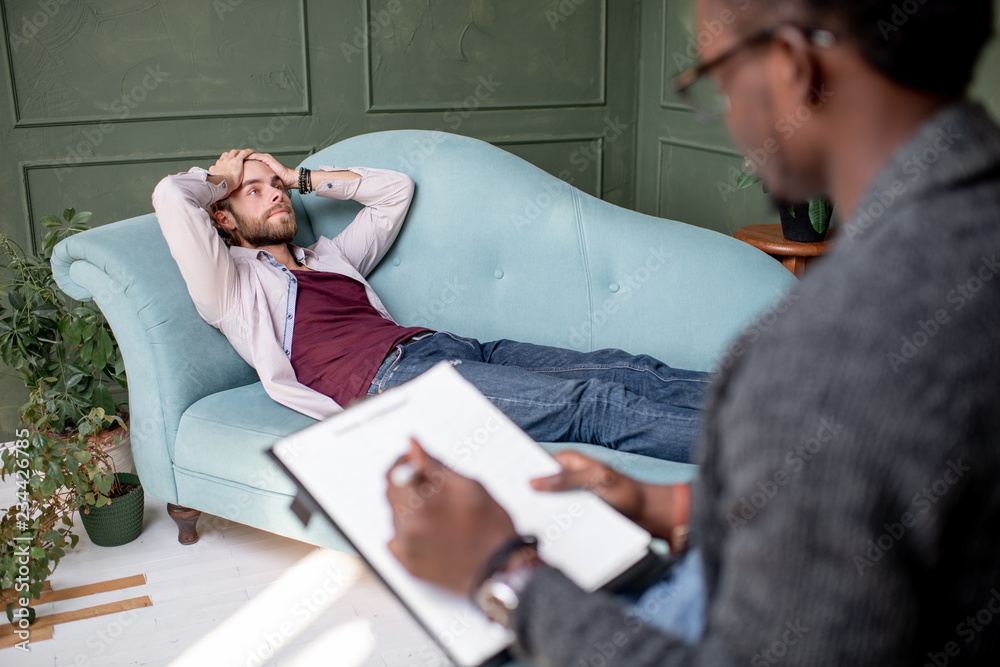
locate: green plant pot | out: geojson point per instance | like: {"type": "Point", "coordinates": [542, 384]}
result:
{"type": "Point", "coordinates": [798, 227]}
{"type": "Point", "coordinates": [118, 522]}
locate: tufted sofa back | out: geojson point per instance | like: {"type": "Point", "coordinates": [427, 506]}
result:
{"type": "Point", "coordinates": [495, 247]}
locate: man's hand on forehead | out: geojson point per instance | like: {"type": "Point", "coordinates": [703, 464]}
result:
{"type": "Point", "coordinates": [229, 166]}
{"type": "Point", "coordinates": [289, 177]}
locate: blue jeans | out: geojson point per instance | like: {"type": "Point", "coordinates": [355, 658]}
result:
{"type": "Point", "coordinates": [676, 604]}
{"type": "Point", "coordinates": [629, 403]}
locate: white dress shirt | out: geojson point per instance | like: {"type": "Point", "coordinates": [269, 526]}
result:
{"type": "Point", "coordinates": [248, 295]}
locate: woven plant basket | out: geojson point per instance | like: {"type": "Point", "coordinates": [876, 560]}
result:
{"type": "Point", "coordinates": [121, 453]}
{"type": "Point", "coordinates": [118, 522]}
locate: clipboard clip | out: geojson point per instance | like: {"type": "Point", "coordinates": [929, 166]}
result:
{"type": "Point", "coordinates": [303, 507]}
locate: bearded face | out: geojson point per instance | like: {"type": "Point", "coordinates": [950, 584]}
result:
{"type": "Point", "coordinates": [275, 226]}
{"type": "Point", "coordinates": [259, 211]}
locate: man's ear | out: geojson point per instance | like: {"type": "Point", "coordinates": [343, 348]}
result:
{"type": "Point", "coordinates": [225, 220]}
{"type": "Point", "coordinates": [802, 71]}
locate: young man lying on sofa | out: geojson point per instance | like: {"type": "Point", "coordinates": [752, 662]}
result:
{"type": "Point", "coordinates": [319, 337]}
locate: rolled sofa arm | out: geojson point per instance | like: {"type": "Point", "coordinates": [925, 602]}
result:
{"type": "Point", "coordinates": [172, 357]}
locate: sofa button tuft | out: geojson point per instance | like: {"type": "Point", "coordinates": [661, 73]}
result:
{"type": "Point", "coordinates": [395, 261]}
{"type": "Point", "coordinates": [614, 287]}
{"type": "Point", "coordinates": [498, 274]}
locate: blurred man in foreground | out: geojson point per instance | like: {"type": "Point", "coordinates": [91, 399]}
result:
{"type": "Point", "coordinates": [847, 507]}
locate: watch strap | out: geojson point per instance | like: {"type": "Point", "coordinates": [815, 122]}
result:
{"type": "Point", "coordinates": [500, 557]}
{"type": "Point", "coordinates": [499, 595]}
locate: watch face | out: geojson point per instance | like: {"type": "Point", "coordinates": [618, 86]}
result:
{"type": "Point", "coordinates": [497, 600]}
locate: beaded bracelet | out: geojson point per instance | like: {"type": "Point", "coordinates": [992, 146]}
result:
{"type": "Point", "coordinates": [305, 181]}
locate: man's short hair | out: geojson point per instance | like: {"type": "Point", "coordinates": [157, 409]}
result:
{"type": "Point", "coordinates": [227, 236]}
{"type": "Point", "coordinates": [931, 45]}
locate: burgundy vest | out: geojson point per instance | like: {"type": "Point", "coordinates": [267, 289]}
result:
{"type": "Point", "coordinates": [339, 339]}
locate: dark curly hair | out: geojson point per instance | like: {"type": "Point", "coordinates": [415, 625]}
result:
{"type": "Point", "coordinates": [930, 45]}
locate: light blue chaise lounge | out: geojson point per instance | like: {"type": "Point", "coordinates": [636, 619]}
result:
{"type": "Point", "coordinates": [492, 247]}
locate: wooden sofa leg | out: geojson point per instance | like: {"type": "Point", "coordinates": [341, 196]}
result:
{"type": "Point", "coordinates": [187, 522]}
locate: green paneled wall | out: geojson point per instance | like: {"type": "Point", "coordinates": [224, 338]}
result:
{"type": "Point", "coordinates": [687, 171]}
{"type": "Point", "coordinates": [101, 98]}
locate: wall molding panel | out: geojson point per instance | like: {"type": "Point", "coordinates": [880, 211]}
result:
{"type": "Point", "coordinates": [472, 60]}
{"type": "Point", "coordinates": [579, 160]}
{"type": "Point", "coordinates": [157, 61]}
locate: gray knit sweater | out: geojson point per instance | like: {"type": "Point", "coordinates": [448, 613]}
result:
{"type": "Point", "coordinates": [848, 503]}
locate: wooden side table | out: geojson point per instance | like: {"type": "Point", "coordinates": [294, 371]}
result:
{"type": "Point", "coordinates": [795, 256]}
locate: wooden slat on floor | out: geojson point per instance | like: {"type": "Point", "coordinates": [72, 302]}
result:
{"type": "Point", "coordinates": [12, 640]}
{"type": "Point", "coordinates": [41, 629]}
{"type": "Point", "coordinates": [49, 595]}
{"type": "Point", "coordinates": [91, 589]}
{"type": "Point", "coordinates": [87, 612]}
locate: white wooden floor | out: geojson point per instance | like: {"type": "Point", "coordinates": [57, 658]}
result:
{"type": "Point", "coordinates": [195, 589]}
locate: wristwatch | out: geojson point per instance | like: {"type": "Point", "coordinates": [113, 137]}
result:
{"type": "Point", "coordinates": [498, 600]}
{"type": "Point", "coordinates": [508, 572]}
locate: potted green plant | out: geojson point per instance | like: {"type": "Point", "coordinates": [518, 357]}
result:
{"type": "Point", "coordinates": [44, 334]}
{"type": "Point", "coordinates": [111, 504]}
{"type": "Point", "coordinates": [66, 355]}
{"type": "Point", "coordinates": [806, 223]}
{"type": "Point", "coordinates": [56, 475]}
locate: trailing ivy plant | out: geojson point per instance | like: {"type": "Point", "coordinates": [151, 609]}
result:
{"type": "Point", "coordinates": [70, 363]}
{"type": "Point", "coordinates": [55, 476]}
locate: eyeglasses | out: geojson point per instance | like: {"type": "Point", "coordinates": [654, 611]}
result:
{"type": "Point", "coordinates": [702, 94]}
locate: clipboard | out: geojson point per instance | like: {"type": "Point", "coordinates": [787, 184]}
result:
{"type": "Point", "coordinates": [339, 467]}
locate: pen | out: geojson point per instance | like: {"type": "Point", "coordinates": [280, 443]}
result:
{"type": "Point", "coordinates": [402, 474]}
